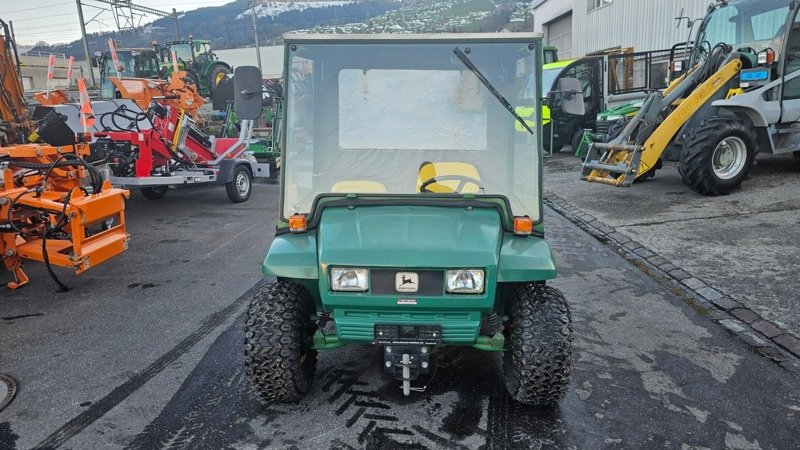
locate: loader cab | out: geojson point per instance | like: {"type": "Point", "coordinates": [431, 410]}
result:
{"type": "Point", "coordinates": [561, 128]}
{"type": "Point", "coordinates": [134, 62]}
{"type": "Point", "coordinates": [767, 35]}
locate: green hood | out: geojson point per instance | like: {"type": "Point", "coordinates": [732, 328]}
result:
{"type": "Point", "coordinates": [410, 236]}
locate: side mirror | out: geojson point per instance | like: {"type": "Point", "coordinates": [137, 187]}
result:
{"type": "Point", "coordinates": [571, 95]}
{"type": "Point", "coordinates": [247, 91]}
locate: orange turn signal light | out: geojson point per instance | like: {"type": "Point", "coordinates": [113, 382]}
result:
{"type": "Point", "coordinates": [523, 225]}
{"type": "Point", "coordinates": [298, 223]}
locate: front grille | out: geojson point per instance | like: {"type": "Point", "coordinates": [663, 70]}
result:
{"type": "Point", "coordinates": [431, 282]}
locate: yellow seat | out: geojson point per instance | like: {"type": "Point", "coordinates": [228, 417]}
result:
{"type": "Point", "coordinates": [359, 187]}
{"type": "Point", "coordinates": [430, 170]}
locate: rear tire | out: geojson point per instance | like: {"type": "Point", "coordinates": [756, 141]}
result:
{"type": "Point", "coordinates": [278, 334]}
{"type": "Point", "coordinates": [538, 361]}
{"type": "Point", "coordinates": [717, 155]}
{"type": "Point", "coordinates": [796, 156]}
{"type": "Point", "coordinates": [154, 192]}
{"type": "Point", "coordinates": [241, 186]}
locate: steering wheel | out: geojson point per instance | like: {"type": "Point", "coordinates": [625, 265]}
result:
{"type": "Point", "coordinates": [463, 180]}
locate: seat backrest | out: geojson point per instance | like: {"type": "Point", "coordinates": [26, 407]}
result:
{"type": "Point", "coordinates": [430, 170]}
{"type": "Point", "coordinates": [359, 187]}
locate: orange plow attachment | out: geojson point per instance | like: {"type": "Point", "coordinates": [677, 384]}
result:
{"type": "Point", "coordinates": [48, 215]}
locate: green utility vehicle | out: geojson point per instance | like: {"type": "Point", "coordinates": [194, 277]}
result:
{"type": "Point", "coordinates": [135, 62]}
{"type": "Point", "coordinates": [195, 56]}
{"type": "Point", "coordinates": [411, 213]}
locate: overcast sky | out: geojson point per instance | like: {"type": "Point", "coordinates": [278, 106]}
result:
{"type": "Point", "coordinates": [56, 21]}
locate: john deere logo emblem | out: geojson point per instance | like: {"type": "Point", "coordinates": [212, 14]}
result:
{"type": "Point", "coordinates": [406, 282]}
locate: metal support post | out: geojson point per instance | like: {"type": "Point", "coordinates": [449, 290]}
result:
{"type": "Point", "coordinates": [85, 42]}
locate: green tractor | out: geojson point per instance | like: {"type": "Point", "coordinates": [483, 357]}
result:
{"type": "Point", "coordinates": [194, 56]}
{"type": "Point", "coordinates": [411, 214]}
{"type": "Point", "coordinates": [135, 62]}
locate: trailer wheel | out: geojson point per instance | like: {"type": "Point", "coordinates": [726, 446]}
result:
{"type": "Point", "coordinates": [277, 357]}
{"type": "Point", "coordinates": [717, 155]}
{"type": "Point", "coordinates": [154, 192]}
{"type": "Point", "coordinates": [538, 360]}
{"type": "Point", "coordinates": [239, 189]}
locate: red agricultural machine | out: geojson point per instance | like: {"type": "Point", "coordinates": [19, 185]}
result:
{"type": "Point", "coordinates": [163, 147]}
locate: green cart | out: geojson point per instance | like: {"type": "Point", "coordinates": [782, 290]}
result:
{"type": "Point", "coordinates": [411, 214]}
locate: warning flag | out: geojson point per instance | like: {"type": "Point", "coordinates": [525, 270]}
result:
{"type": "Point", "coordinates": [51, 65]}
{"type": "Point", "coordinates": [113, 49]}
{"type": "Point", "coordinates": [69, 70]}
{"type": "Point", "coordinates": [87, 115]}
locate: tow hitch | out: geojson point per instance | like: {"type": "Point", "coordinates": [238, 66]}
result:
{"type": "Point", "coordinates": [407, 350]}
{"type": "Point", "coordinates": [407, 363]}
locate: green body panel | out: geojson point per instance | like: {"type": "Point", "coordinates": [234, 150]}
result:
{"type": "Point", "coordinates": [408, 237]}
{"type": "Point", "coordinates": [292, 256]}
{"type": "Point", "coordinates": [525, 259]}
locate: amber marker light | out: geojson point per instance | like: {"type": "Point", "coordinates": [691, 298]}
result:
{"type": "Point", "coordinates": [523, 226]}
{"type": "Point", "coordinates": [298, 223]}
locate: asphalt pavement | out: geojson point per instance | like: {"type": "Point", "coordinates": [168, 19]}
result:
{"type": "Point", "coordinates": [147, 352]}
{"type": "Point", "coordinates": [744, 245]}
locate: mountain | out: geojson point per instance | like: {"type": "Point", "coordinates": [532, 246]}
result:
{"type": "Point", "coordinates": [230, 25]}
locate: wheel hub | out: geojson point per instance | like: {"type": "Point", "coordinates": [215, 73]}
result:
{"type": "Point", "coordinates": [242, 184]}
{"type": "Point", "coordinates": [729, 157]}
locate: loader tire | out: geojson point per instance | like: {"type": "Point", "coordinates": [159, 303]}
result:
{"type": "Point", "coordinates": [277, 355]}
{"type": "Point", "coordinates": [154, 192]}
{"type": "Point", "coordinates": [717, 155]}
{"type": "Point", "coordinates": [537, 364]}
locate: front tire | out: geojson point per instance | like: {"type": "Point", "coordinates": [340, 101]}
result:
{"type": "Point", "coordinates": [717, 155]}
{"type": "Point", "coordinates": [538, 361]}
{"type": "Point", "coordinates": [241, 186]}
{"type": "Point", "coordinates": [278, 334]}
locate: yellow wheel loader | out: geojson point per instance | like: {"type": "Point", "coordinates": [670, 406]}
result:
{"type": "Point", "coordinates": [741, 96]}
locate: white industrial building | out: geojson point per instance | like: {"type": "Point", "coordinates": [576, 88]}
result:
{"type": "Point", "coordinates": [579, 27]}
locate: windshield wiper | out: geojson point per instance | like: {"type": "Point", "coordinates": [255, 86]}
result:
{"type": "Point", "coordinates": [467, 62]}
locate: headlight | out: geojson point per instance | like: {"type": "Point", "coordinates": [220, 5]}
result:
{"type": "Point", "coordinates": [465, 281]}
{"type": "Point", "coordinates": [349, 279]}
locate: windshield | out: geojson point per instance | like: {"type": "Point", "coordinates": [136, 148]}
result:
{"type": "Point", "coordinates": [548, 78]}
{"type": "Point", "coordinates": [402, 118]}
{"type": "Point", "coordinates": [745, 23]}
{"type": "Point", "coordinates": [182, 51]}
{"type": "Point", "coordinates": [127, 64]}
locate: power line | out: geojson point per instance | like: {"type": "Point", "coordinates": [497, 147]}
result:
{"type": "Point", "coordinates": [38, 7]}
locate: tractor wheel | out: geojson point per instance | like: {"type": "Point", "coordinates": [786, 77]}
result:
{"type": "Point", "coordinates": [717, 155]}
{"type": "Point", "coordinates": [796, 156]}
{"type": "Point", "coordinates": [242, 185]}
{"type": "Point", "coordinates": [538, 360]}
{"type": "Point", "coordinates": [215, 74]}
{"type": "Point", "coordinates": [277, 357]}
{"type": "Point", "coordinates": [154, 192]}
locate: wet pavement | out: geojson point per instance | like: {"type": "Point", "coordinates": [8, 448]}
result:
{"type": "Point", "coordinates": [650, 371]}
{"type": "Point", "coordinates": [744, 244]}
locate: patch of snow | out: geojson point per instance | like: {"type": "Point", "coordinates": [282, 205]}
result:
{"type": "Point", "coordinates": [272, 9]}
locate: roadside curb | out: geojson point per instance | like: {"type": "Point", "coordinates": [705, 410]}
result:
{"type": "Point", "coordinates": [765, 337]}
